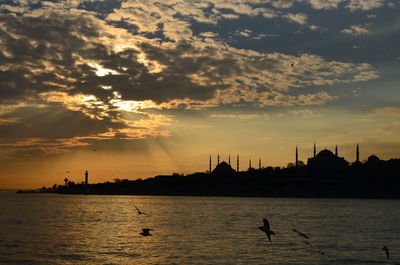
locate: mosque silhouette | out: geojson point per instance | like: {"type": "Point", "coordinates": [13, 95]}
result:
{"type": "Point", "coordinates": [325, 174]}
{"type": "Point", "coordinates": [325, 159]}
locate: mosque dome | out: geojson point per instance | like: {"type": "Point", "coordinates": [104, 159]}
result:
{"type": "Point", "coordinates": [223, 169]}
{"type": "Point", "coordinates": [325, 154]}
{"type": "Point", "coordinates": [326, 160]}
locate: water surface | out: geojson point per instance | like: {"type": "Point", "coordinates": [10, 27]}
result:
{"type": "Point", "coordinates": [78, 229]}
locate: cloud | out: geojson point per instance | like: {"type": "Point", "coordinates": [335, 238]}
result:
{"type": "Point", "coordinates": [96, 69]}
{"type": "Point", "coordinates": [357, 30]}
{"type": "Point", "coordinates": [249, 34]}
{"type": "Point", "coordinates": [393, 127]}
{"type": "Point", "coordinates": [240, 116]}
{"type": "Point", "coordinates": [391, 111]}
{"type": "Point", "coordinates": [352, 5]}
{"type": "Point", "coordinates": [305, 113]}
{"type": "Point", "coordinates": [283, 3]}
{"type": "Point", "coordinates": [40, 145]}
{"type": "Point", "coordinates": [297, 18]}
{"type": "Point", "coordinates": [325, 4]}
{"type": "Point", "coordinates": [364, 4]}
{"type": "Point", "coordinates": [116, 75]}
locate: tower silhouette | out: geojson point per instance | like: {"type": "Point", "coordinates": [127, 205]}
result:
{"type": "Point", "coordinates": [297, 157]}
{"type": "Point", "coordinates": [259, 163]}
{"type": "Point", "coordinates": [249, 163]}
{"type": "Point", "coordinates": [358, 153]}
{"type": "Point", "coordinates": [209, 166]}
{"type": "Point", "coordinates": [218, 159]}
{"type": "Point", "coordinates": [86, 177]}
{"type": "Point", "coordinates": [229, 159]}
{"type": "Point", "coordinates": [315, 150]}
{"type": "Point", "coordinates": [336, 151]}
{"type": "Point", "coordinates": [237, 163]}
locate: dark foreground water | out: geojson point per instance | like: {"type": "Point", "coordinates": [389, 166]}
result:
{"type": "Point", "coordinates": [78, 229]}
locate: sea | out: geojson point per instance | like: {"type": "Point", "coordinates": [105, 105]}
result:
{"type": "Point", "coordinates": [105, 229]}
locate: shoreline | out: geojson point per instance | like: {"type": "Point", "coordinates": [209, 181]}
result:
{"type": "Point", "coordinates": [332, 196]}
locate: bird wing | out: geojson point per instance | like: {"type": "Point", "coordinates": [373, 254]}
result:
{"type": "Point", "coordinates": [266, 224]}
{"type": "Point", "coordinates": [269, 236]}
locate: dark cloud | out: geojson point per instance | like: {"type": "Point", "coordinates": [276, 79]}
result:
{"type": "Point", "coordinates": [52, 122]}
{"type": "Point", "coordinates": [58, 41]}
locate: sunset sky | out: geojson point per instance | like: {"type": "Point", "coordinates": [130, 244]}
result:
{"type": "Point", "coordinates": [129, 89]}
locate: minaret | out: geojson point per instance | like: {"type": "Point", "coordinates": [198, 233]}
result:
{"type": "Point", "coordinates": [336, 151]}
{"type": "Point", "coordinates": [297, 157]}
{"type": "Point", "coordinates": [229, 159]}
{"type": "Point", "coordinates": [259, 163]}
{"type": "Point", "coordinates": [358, 154]}
{"type": "Point", "coordinates": [237, 163]}
{"type": "Point", "coordinates": [249, 163]}
{"type": "Point", "coordinates": [86, 177]}
{"type": "Point", "coordinates": [209, 166]}
{"type": "Point", "coordinates": [315, 150]}
{"type": "Point", "coordinates": [218, 159]}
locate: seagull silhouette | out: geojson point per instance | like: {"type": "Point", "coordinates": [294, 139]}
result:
{"type": "Point", "coordinates": [266, 229]}
{"type": "Point", "coordinates": [300, 233]}
{"type": "Point", "coordinates": [385, 248]}
{"type": "Point", "coordinates": [146, 232]}
{"type": "Point", "coordinates": [139, 211]}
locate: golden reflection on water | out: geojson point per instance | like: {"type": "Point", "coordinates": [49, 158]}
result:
{"type": "Point", "coordinates": [62, 229]}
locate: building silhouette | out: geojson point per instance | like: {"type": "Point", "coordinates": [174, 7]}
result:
{"type": "Point", "coordinates": [357, 153]}
{"type": "Point", "coordinates": [209, 168]}
{"type": "Point", "coordinates": [223, 169]}
{"type": "Point", "coordinates": [323, 159]}
{"type": "Point", "coordinates": [86, 177]}
{"type": "Point", "coordinates": [327, 161]}
{"type": "Point", "coordinates": [237, 163]}
{"type": "Point", "coordinates": [315, 150]}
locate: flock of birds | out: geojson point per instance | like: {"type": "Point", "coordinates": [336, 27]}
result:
{"type": "Point", "coordinates": [265, 228]}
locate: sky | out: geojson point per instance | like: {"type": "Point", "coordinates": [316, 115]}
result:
{"type": "Point", "coordinates": [135, 88]}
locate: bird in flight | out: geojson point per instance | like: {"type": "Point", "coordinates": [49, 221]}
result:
{"type": "Point", "coordinates": [139, 211]}
{"type": "Point", "coordinates": [300, 233]}
{"type": "Point", "coordinates": [385, 248]}
{"type": "Point", "coordinates": [146, 232]}
{"type": "Point", "coordinates": [266, 229]}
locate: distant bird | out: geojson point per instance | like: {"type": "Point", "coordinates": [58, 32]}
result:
{"type": "Point", "coordinates": [300, 233]}
{"type": "Point", "coordinates": [139, 211]}
{"type": "Point", "coordinates": [266, 229]}
{"type": "Point", "coordinates": [385, 248]}
{"type": "Point", "coordinates": [68, 171]}
{"type": "Point", "coordinates": [146, 232]}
